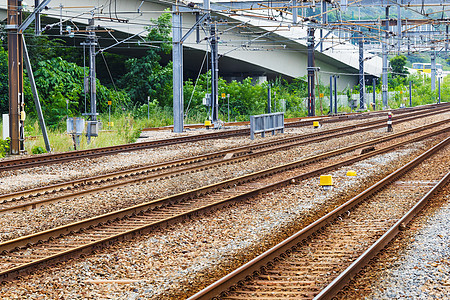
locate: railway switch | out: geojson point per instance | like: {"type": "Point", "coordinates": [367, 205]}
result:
{"type": "Point", "coordinates": [389, 122]}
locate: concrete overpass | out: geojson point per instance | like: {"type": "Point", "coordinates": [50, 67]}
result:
{"type": "Point", "coordinates": [256, 49]}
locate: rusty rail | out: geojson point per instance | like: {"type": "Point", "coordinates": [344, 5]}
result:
{"type": "Point", "coordinates": [150, 207]}
{"type": "Point", "coordinates": [44, 159]}
{"type": "Point", "coordinates": [271, 256]}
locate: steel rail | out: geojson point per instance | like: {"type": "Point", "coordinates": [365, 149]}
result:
{"type": "Point", "coordinates": [344, 278]}
{"type": "Point", "coordinates": [303, 119]}
{"type": "Point", "coordinates": [256, 265]}
{"type": "Point", "coordinates": [44, 159]}
{"type": "Point", "coordinates": [239, 154]}
{"type": "Point", "coordinates": [177, 200]}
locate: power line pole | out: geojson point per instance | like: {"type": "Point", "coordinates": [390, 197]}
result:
{"type": "Point", "coordinates": [91, 42]}
{"type": "Point", "coordinates": [384, 86]}
{"type": "Point", "coordinates": [15, 71]}
{"type": "Point", "coordinates": [361, 73]}
{"type": "Point", "coordinates": [177, 57]}
{"type": "Point", "coordinates": [214, 75]}
{"type": "Point", "coordinates": [433, 69]}
{"type": "Point", "coordinates": [311, 73]}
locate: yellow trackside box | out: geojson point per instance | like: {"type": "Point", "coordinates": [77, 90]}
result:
{"type": "Point", "coordinates": [326, 180]}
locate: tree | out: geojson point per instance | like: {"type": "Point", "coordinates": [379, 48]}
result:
{"type": "Point", "coordinates": [398, 66]}
{"type": "Point", "coordinates": [146, 76]}
{"type": "Point", "coordinates": [58, 81]}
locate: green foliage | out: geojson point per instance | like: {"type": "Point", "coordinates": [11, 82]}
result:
{"type": "Point", "coordinates": [4, 147]}
{"type": "Point", "coordinates": [4, 93]}
{"type": "Point", "coordinates": [59, 81]}
{"type": "Point", "coordinates": [38, 150]}
{"type": "Point", "coordinates": [146, 76]}
{"type": "Point", "coordinates": [398, 64]}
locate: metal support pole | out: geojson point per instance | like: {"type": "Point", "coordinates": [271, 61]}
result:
{"type": "Point", "coordinates": [324, 21]}
{"type": "Point", "coordinates": [446, 38]}
{"type": "Point", "coordinates": [214, 76]}
{"type": "Point", "coordinates": [433, 69]}
{"type": "Point", "coordinates": [294, 12]}
{"type": "Point", "coordinates": [91, 42]}
{"type": "Point", "coordinates": [148, 108]}
{"type": "Point", "coordinates": [439, 90]}
{"type": "Point", "coordinates": [177, 58]}
{"type": "Point", "coordinates": [228, 96]}
{"type": "Point", "coordinates": [361, 74]}
{"type": "Point", "coordinates": [331, 95]}
{"type": "Point", "coordinates": [311, 74]}
{"type": "Point", "coordinates": [399, 28]}
{"type": "Point", "coordinates": [269, 99]}
{"type": "Point", "coordinates": [37, 21]}
{"type": "Point", "coordinates": [21, 94]}
{"type": "Point", "coordinates": [92, 71]}
{"type": "Point", "coordinates": [335, 94]}
{"type": "Point", "coordinates": [374, 85]}
{"type": "Point", "coordinates": [37, 103]}
{"type": "Point", "coordinates": [384, 86]}
{"type": "Point", "coordinates": [410, 94]}
{"type": "Point", "coordinates": [14, 62]}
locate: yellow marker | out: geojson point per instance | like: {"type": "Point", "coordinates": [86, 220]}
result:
{"type": "Point", "coordinates": [109, 102]}
{"type": "Point", "coordinates": [207, 123]}
{"type": "Point", "coordinates": [321, 95]}
{"type": "Point", "coordinates": [326, 180]}
{"type": "Point", "coordinates": [316, 124]}
{"type": "Point", "coordinates": [351, 173]}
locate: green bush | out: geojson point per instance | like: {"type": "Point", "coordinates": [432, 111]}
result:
{"type": "Point", "coordinates": [4, 147]}
{"type": "Point", "coordinates": [38, 150]}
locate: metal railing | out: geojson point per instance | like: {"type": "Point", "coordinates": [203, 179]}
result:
{"type": "Point", "coordinates": [267, 122]}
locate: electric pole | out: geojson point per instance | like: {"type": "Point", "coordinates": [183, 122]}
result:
{"type": "Point", "coordinates": [311, 74]}
{"type": "Point", "coordinates": [214, 76]}
{"type": "Point", "coordinates": [15, 71]}
{"type": "Point", "coordinates": [91, 42]}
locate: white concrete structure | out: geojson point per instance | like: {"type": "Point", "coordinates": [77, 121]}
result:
{"type": "Point", "coordinates": [249, 51]}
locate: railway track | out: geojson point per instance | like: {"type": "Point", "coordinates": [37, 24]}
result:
{"type": "Point", "coordinates": [24, 200]}
{"type": "Point", "coordinates": [320, 260]}
{"type": "Point", "coordinates": [39, 160]}
{"type": "Point", "coordinates": [24, 254]}
{"type": "Point", "coordinates": [332, 118]}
